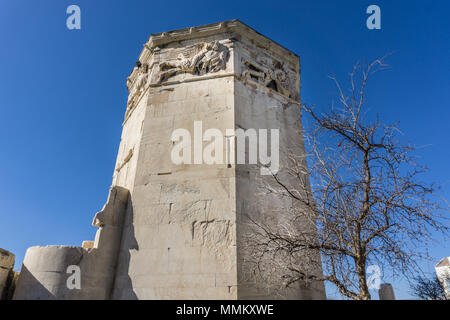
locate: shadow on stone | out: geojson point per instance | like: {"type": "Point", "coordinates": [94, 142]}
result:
{"type": "Point", "coordinates": [30, 288]}
{"type": "Point", "coordinates": [123, 285]}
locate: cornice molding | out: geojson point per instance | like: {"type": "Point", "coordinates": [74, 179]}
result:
{"type": "Point", "coordinates": [232, 26]}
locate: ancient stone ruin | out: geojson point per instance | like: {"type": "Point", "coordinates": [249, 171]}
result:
{"type": "Point", "coordinates": [177, 231]}
{"type": "Point", "coordinates": [8, 277]}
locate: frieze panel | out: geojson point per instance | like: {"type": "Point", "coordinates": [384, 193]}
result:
{"type": "Point", "coordinates": [269, 73]}
{"type": "Point", "coordinates": [198, 59]}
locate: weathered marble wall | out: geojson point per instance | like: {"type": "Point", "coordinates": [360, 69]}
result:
{"type": "Point", "coordinates": [179, 236]}
{"type": "Point", "coordinates": [261, 106]}
{"type": "Point", "coordinates": [125, 169]}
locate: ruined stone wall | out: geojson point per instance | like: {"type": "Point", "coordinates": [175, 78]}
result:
{"type": "Point", "coordinates": [45, 272]}
{"type": "Point", "coordinates": [6, 273]}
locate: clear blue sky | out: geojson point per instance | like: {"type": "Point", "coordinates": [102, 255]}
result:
{"type": "Point", "coordinates": [63, 93]}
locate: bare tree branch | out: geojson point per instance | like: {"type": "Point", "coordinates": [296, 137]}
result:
{"type": "Point", "coordinates": [366, 203]}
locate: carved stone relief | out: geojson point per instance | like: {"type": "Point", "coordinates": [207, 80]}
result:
{"type": "Point", "coordinates": [274, 77]}
{"type": "Point", "coordinates": [137, 86]}
{"type": "Point", "coordinates": [199, 59]}
{"type": "Point", "coordinates": [126, 159]}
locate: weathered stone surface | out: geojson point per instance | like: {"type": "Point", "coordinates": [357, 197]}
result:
{"type": "Point", "coordinates": [87, 244]}
{"type": "Point", "coordinates": [386, 292]}
{"type": "Point", "coordinates": [6, 259]}
{"type": "Point", "coordinates": [7, 275]}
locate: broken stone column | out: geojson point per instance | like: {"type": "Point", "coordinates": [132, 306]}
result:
{"type": "Point", "coordinates": [46, 270]}
{"type": "Point", "coordinates": [386, 292]}
{"type": "Point", "coordinates": [6, 272]}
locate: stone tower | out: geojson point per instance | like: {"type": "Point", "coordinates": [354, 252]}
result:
{"type": "Point", "coordinates": [178, 231]}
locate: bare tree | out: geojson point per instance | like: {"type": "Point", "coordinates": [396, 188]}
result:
{"type": "Point", "coordinates": [428, 289]}
{"type": "Point", "coordinates": [365, 204]}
